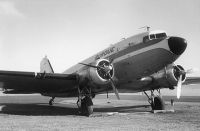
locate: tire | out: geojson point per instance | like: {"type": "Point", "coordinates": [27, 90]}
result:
{"type": "Point", "coordinates": [158, 104]}
{"type": "Point", "coordinates": [89, 110]}
{"type": "Point", "coordinates": [86, 106]}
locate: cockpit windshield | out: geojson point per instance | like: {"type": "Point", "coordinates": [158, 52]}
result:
{"type": "Point", "coordinates": [161, 35]}
{"type": "Point", "coordinates": [155, 35]}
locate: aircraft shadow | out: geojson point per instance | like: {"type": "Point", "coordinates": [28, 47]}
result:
{"type": "Point", "coordinates": [43, 109]}
{"type": "Point", "coordinates": [36, 109]}
{"type": "Point", "coordinates": [124, 109]}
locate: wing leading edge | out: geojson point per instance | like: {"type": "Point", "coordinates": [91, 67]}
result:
{"type": "Point", "coordinates": [192, 81]}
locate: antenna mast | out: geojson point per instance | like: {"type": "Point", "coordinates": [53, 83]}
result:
{"type": "Point", "coordinates": [145, 27]}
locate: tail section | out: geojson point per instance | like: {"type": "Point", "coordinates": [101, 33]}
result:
{"type": "Point", "coordinates": [45, 66]}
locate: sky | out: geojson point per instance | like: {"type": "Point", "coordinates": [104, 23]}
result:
{"type": "Point", "coordinates": [69, 31]}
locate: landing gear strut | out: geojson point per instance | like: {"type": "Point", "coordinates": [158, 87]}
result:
{"type": "Point", "coordinates": [51, 101]}
{"type": "Point", "coordinates": [84, 102]}
{"type": "Point", "coordinates": [156, 102]}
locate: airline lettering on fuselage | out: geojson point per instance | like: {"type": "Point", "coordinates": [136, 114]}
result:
{"type": "Point", "coordinates": [104, 53]}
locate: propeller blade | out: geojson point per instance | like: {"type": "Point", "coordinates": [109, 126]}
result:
{"type": "Point", "coordinates": [179, 85]}
{"type": "Point", "coordinates": [114, 89]}
{"type": "Point", "coordinates": [192, 70]}
{"type": "Point", "coordinates": [89, 65]}
{"type": "Point", "coordinates": [92, 66]}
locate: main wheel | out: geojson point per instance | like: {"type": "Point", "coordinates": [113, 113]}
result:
{"type": "Point", "coordinates": [158, 104]}
{"type": "Point", "coordinates": [86, 106]}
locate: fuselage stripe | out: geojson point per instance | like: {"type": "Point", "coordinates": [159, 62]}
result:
{"type": "Point", "coordinates": [131, 49]}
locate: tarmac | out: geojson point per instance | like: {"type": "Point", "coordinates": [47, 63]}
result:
{"type": "Point", "coordinates": [32, 112]}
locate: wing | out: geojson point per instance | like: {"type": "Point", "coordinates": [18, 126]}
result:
{"type": "Point", "coordinates": [31, 82]}
{"type": "Point", "coordinates": [192, 80]}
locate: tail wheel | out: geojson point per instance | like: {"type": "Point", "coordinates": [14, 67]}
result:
{"type": "Point", "coordinates": [51, 101]}
{"type": "Point", "coordinates": [158, 103]}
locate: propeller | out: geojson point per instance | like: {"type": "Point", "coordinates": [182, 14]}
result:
{"type": "Point", "coordinates": [182, 72]}
{"type": "Point", "coordinates": [90, 65]}
{"type": "Point", "coordinates": [179, 85]}
{"type": "Point", "coordinates": [106, 69]}
{"type": "Point", "coordinates": [114, 87]}
{"type": "Point", "coordinates": [192, 70]}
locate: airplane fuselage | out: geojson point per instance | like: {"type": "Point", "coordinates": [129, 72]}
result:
{"type": "Point", "coordinates": [136, 57]}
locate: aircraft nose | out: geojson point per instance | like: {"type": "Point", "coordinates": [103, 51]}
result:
{"type": "Point", "coordinates": [177, 45]}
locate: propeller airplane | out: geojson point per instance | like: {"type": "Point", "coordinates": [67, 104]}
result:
{"type": "Point", "coordinates": [140, 63]}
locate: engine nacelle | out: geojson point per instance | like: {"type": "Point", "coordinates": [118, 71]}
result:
{"type": "Point", "coordinates": [169, 76]}
{"type": "Point", "coordinates": [99, 75]}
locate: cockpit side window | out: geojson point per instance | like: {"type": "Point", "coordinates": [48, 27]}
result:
{"type": "Point", "coordinates": [152, 36]}
{"type": "Point", "coordinates": [145, 39]}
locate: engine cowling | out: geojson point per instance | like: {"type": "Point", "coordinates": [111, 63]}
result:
{"type": "Point", "coordinates": [169, 76]}
{"type": "Point", "coordinates": [100, 76]}
{"type": "Point", "coordinates": [99, 72]}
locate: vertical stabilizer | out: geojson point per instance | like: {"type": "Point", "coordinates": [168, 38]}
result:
{"type": "Point", "coordinates": [45, 66]}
